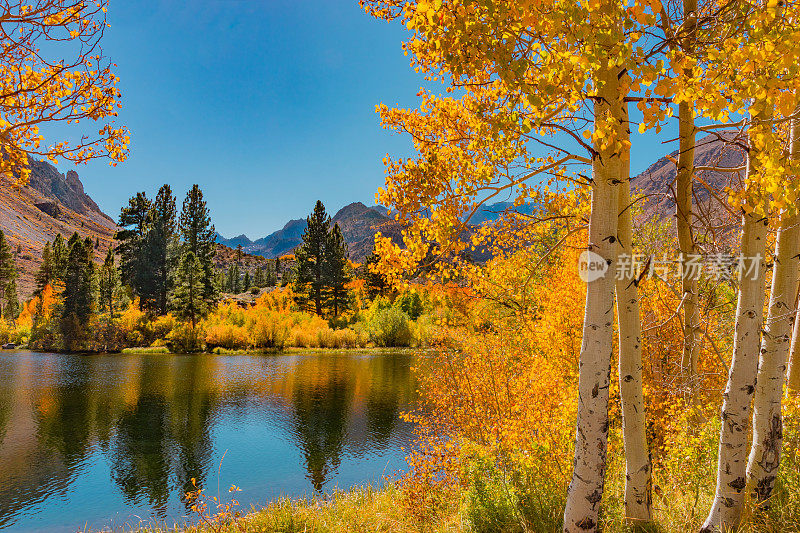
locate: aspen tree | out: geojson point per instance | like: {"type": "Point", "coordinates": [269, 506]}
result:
{"type": "Point", "coordinates": [759, 79]}
{"type": "Point", "coordinates": [554, 71]}
{"type": "Point", "coordinates": [765, 452]}
{"type": "Point", "coordinates": [793, 373]}
{"type": "Point", "coordinates": [683, 206]}
{"type": "Point", "coordinates": [726, 508]}
{"type": "Point", "coordinates": [638, 468]}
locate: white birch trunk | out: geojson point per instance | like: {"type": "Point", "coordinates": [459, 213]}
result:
{"type": "Point", "coordinates": [765, 452]}
{"type": "Point", "coordinates": [793, 375]}
{"type": "Point", "coordinates": [726, 508]}
{"type": "Point", "coordinates": [585, 493]}
{"type": "Point", "coordinates": [638, 479]}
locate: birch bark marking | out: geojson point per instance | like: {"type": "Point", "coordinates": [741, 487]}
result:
{"type": "Point", "coordinates": [638, 480]}
{"type": "Point", "coordinates": [585, 491]}
{"type": "Point", "coordinates": [726, 508]}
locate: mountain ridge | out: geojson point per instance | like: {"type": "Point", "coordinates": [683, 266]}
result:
{"type": "Point", "coordinates": [50, 203]}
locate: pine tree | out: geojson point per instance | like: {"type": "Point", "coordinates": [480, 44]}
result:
{"type": "Point", "coordinates": [237, 279]}
{"type": "Point", "coordinates": [375, 281]}
{"type": "Point", "coordinates": [11, 312]}
{"type": "Point", "coordinates": [229, 280]}
{"type": "Point", "coordinates": [221, 280]}
{"type": "Point", "coordinates": [258, 277]}
{"type": "Point", "coordinates": [234, 280]}
{"type": "Point", "coordinates": [108, 285]}
{"type": "Point", "coordinates": [59, 253]}
{"type": "Point", "coordinates": [8, 270]}
{"type": "Point", "coordinates": [134, 219]}
{"type": "Point", "coordinates": [78, 296]}
{"type": "Point", "coordinates": [160, 250]}
{"type": "Point", "coordinates": [336, 271]}
{"type": "Point", "coordinates": [46, 272]}
{"type": "Point", "coordinates": [239, 254]}
{"type": "Point", "coordinates": [188, 297]}
{"type": "Point", "coordinates": [271, 276]}
{"type": "Point", "coordinates": [310, 258]}
{"type": "Point", "coordinates": [199, 239]}
{"type": "Point", "coordinates": [246, 282]}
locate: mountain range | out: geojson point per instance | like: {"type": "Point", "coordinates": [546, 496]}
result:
{"type": "Point", "coordinates": [53, 203]}
{"type": "Point", "coordinates": [358, 223]}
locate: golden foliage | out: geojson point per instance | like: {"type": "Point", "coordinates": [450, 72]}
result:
{"type": "Point", "coordinates": [38, 87]}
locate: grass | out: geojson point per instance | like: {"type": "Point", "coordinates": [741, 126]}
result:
{"type": "Point", "coordinates": [360, 510]}
{"type": "Point", "coordinates": [146, 350]}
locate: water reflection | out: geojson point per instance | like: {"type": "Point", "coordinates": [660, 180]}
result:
{"type": "Point", "coordinates": [102, 437]}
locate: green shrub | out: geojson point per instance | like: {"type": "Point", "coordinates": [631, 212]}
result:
{"type": "Point", "coordinates": [390, 327]}
{"type": "Point", "coordinates": [410, 303]}
{"type": "Point", "coordinates": [502, 496]}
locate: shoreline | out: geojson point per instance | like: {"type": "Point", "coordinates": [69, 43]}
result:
{"type": "Point", "coordinates": [288, 351]}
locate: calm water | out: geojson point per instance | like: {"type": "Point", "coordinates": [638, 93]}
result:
{"type": "Point", "coordinates": [108, 440]}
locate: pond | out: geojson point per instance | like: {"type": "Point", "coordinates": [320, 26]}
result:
{"type": "Point", "coordinates": [105, 441]}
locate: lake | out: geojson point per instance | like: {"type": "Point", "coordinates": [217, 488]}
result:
{"type": "Point", "coordinates": [108, 440]}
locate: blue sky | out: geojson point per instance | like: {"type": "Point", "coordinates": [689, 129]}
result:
{"type": "Point", "coordinates": [268, 105]}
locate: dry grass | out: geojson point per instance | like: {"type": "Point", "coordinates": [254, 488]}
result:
{"type": "Point", "coordinates": [360, 510]}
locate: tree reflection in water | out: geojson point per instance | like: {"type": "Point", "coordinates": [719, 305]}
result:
{"type": "Point", "coordinates": [153, 419]}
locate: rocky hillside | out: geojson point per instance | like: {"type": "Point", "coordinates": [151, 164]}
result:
{"type": "Point", "coordinates": [51, 203]}
{"type": "Point", "coordinates": [714, 225]}
{"type": "Point", "coordinates": [657, 182]}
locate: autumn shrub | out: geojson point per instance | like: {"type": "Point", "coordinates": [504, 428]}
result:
{"type": "Point", "coordinates": [185, 339]}
{"type": "Point", "coordinates": [348, 338]}
{"type": "Point", "coordinates": [271, 323]}
{"type": "Point", "coordinates": [6, 331]}
{"type": "Point", "coordinates": [130, 324]}
{"type": "Point", "coordinates": [271, 331]}
{"type": "Point", "coordinates": [226, 335]}
{"type": "Point", "coordinates": [160, 327]}
{"type": "Point", "coordinates": [21, 334]}
{"type": "Point", "coordinates": [338, 338]}
{"type": "Point", "coordinates": [301, 338]}
{"type": "Point", "coordinates": [326, 338]}
{"type": "Point", "coordinates": [424, 331]}
{"type": "Point", "coordinates": [498, 423]}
